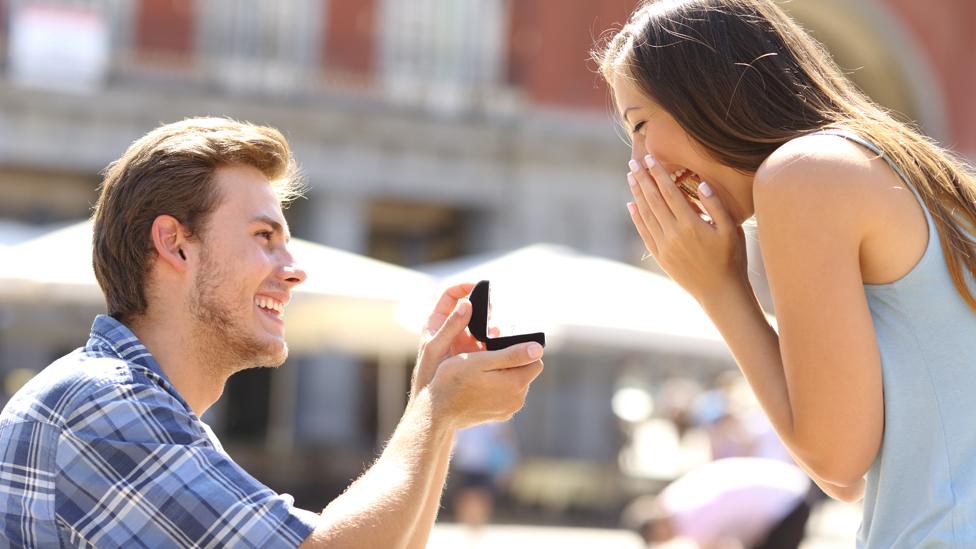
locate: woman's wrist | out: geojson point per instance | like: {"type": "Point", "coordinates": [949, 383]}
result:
{"type": "Point", "coordinates": [732, 295]}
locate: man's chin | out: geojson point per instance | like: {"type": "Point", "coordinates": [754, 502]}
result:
{"type": "Point", "coordinates": [271, 355]}
{"type": "Point", "coordinates": [277, 356]}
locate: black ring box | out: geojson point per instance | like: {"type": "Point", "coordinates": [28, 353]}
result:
{"type": "Point", "coordinates": [478, 325]}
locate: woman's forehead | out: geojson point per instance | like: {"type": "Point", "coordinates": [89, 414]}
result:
{"type": "Point", "coordinates": [627, 95]}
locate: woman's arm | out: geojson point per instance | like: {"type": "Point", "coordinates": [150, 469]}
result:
{"type": "Point", "coordinates": [822, 384]}
{"type": "Point", "coordinates": [758, 357]}
{"type": "Point", "coordinates": [819, 380]}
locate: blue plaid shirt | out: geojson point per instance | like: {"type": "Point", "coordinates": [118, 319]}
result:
{"type": "Point", "coordinates": [99, 450]}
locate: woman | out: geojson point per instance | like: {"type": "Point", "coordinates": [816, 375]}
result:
{"type": "Point", "coordinates": [865, 229]}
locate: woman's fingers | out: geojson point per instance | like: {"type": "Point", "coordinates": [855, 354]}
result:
{"type": "Point", "coordinates": [670, 193]}
{"type": "Point", "coordinates": [714, 207]}
{"type": "Point", "coordinates": [645, 234]}
{"type": "Point", "coordinates": [651, 194]}
{"type": "Point", "coordinates": [642, 216]}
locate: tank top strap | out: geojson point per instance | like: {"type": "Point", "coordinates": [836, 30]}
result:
{"type": "Point", "coordinates": [855, 138]}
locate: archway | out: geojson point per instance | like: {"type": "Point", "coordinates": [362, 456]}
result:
{"type": "Point", "coordinates": [873, 47]}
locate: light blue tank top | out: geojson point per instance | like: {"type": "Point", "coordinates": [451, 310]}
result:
{"type": "Point", "coordinates": [921, 490]}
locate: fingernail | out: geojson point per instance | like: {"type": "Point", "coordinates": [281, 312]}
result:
{"type": "Point", "coordinates": [535, 350]}
{"type": "Point", "coordinates": [631, 208]}
{"type": "Point", "coordinates": [649, 160]}
{"type": "Point", "coordinates": [704, 190]}
{"type": "Point", "coordinates": [631, 180]}
{"type": "Point", "coordinates": [463, 307]}
{"type": "Point", "coordinates": [634, 166]}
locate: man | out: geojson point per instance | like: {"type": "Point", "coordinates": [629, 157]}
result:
{"type": "Point", "coordinates": [105, 447]}
{"type": "Point", "coordinates": [731, 503]}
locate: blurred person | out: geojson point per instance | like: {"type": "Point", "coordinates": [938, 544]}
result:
{"type": "Point", "coordinates": [733, 503]}
{"type": "Point", "coordinates": [484, 458]}
{"type": "Point", "coordinates": [866, 230]}
{"type": "Point", "coordinates": [735, 426]}
{"type": "Point", "coordinates": [727, 435]}
{"type": "Point", "coordinates": [676, 399]}
{"type": "Point", "coordinates": [105, 447]}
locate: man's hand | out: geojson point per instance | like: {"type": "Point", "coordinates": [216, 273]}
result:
{"type": "Point", "coordinates": [456, 383]}
{"type": "Point", "coordinates": [469, 385]}
{"type": "Point", "coordinates": [451, 305]}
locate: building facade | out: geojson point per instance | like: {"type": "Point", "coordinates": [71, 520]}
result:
{"type": "Point", "coordinates": [427, 130]}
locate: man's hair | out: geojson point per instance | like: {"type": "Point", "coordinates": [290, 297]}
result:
{"type": "Point", "coordinates": [170, 171]}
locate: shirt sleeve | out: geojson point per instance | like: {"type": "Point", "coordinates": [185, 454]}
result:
{"type": "Point", "coordinates": [136, 469]}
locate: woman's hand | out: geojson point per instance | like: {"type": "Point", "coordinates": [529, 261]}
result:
{"type": "Point", "coordinates": [704, 256]}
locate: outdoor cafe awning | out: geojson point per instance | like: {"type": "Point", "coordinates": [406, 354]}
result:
{"type": "Point", "coordinates": [584, 300]}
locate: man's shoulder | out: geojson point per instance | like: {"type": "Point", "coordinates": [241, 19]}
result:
{"type": "Point", "coordinates": [78, 381]}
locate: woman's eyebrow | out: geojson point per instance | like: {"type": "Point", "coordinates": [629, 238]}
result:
{"type": "Point", "coordinates": [623, 115]}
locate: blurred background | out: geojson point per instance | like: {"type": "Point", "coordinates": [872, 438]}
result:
{"type": "Point", "coordinates": [442, 140]}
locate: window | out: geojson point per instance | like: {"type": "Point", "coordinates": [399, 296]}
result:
{"type": "Point", "coordinates": [408, 233]}
{"type": "Point", "coordinates": [441, 52]}
{"type": "Point", "coordinates": [64, 45]}
{"type": "Point", "coordinates": [261, 45]}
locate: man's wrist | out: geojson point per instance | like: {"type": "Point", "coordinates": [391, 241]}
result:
{"type": "Point", "coordinates": [425, 408]}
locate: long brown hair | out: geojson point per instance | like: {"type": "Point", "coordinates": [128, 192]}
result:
{"type": "Point", "coordinates": [742, 79]}
{"type": "Point", "coordinates": [170, 171]}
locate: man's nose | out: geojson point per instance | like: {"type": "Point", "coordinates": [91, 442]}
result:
{"type": "Point", "coordinates": [291, 272]}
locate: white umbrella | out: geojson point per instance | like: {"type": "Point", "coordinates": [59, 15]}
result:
{"type": "Point", "coordinates": [349, 302]}
{"type": "Point", "coordinates": [14, 232]}
{"type": "Point", "coordinates": [579, 299]}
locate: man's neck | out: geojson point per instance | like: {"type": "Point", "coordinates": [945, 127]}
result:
{"type": "Point", "coordinates": [195, 373]}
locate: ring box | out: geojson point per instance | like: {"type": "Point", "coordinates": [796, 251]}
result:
{"type": "Point", "coordinates": [478, 325]}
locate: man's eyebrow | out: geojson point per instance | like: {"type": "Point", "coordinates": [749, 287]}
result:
{"type": "Point", "coordinates": [275, 226]}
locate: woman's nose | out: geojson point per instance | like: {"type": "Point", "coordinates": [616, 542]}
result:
{"type": "Point", "coordinates": [637, 151]}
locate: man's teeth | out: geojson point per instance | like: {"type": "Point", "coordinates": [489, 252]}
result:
{"type": "Point", "coordinates": [268, 303]}
{"type": "Point", "coordinates": [675, 175]}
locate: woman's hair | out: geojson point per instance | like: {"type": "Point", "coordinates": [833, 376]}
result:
{"type": "Point", "coordinates": [170, 171]}
{"type": "Point", "coordinates": [742, 79]}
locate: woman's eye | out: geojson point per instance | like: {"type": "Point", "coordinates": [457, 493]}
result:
{"type": "Point", "coordinates": [638, 127]}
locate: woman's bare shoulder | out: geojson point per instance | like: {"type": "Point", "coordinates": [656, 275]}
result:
{"type": "Point", "coordinates": [827, 159]}
{"type": "Point", "coordinates": [824, 175]}
{"type": "Point", "coordinates": [828, 181]}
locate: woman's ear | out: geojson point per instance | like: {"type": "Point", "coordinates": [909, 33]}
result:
{"type": "Point", "coordinates": [169, 239]}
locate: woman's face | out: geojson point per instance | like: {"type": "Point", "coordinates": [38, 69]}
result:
{"type": "Point", "coordinates": [654, 131]}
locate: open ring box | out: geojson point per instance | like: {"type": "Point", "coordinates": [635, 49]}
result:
{"type": "Point", "coordinates": [478, 325]}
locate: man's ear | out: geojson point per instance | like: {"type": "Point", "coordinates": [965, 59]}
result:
{"type": "Point", "coordinates": [169, 239]}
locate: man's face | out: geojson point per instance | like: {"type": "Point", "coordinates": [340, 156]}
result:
{"type": "Point", "coordinates": [245, 274]}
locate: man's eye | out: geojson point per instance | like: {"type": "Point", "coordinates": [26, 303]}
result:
{"type": "Point", "coordinates": [638, 127]}
{"type": "Point", "coordinates": [265, 235]}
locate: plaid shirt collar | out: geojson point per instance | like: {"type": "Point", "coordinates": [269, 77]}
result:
{"type": "Point", "coordinates": [109, 337]}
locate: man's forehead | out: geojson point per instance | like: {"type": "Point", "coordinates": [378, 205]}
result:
{"type": "Point", "coordinates": [247, 197]}
{"type": "Point", "coordinates": [246, 188]}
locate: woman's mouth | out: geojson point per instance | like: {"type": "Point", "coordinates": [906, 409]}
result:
{"type": "Point", "coordinates": [687, 181]}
